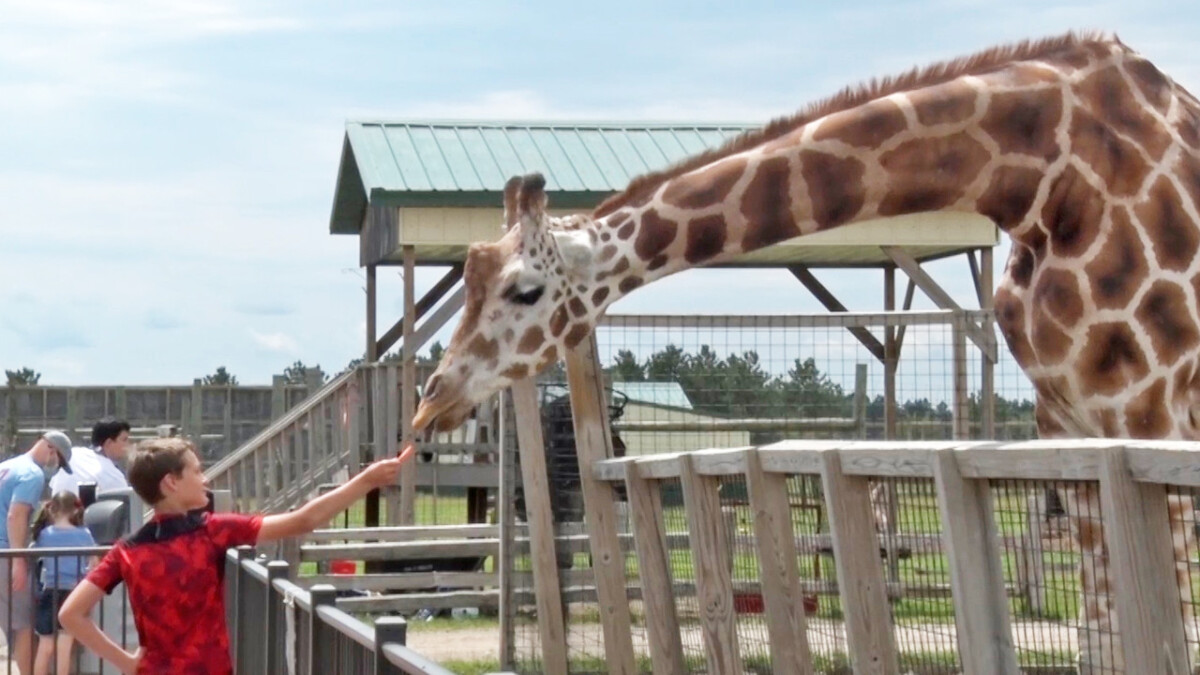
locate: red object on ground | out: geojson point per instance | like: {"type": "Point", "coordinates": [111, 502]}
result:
{"type": "Point", "coordinates": [748, 603]}
{"type": "Point", "coordinates": [343, 567]}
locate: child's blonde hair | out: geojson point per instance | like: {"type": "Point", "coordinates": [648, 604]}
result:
{"type": "Point", "coordinates": [63, 504]}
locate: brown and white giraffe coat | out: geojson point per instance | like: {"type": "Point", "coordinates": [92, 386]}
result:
{"type": "Point", "coordinates": [1077, 147]}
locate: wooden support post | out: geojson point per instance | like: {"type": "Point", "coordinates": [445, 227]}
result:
{"type": "Point", "coordinates": [860, 399]}
{"type": "Point", "coordinates": [408, 390]}
{"type": "Point", "coordinates": [985, 642]}
{"type": "Point", "coordinates": [987, 384]}
{"type": "Point", "coordinates": [962, 403]}
{"type": "Point", "coordinates": [891, 358]}
{"type": "Point", "coordinates": [710, 562]}
{"type": "Point", "coordinates": [650, 536]}
{"type": "Point", "coordinates": [506, 517]}
{"type": "Point", "coordinates": [422, 306]}
{"type": "Point", "coordinates": [940, 297]}
{"type": "Point", "coordinates": [372, 353]}
{"type": "Point", "coordinates": [278, 396]}
{"type": "Point", "coordinates": [1137, 530]}
{"type": "Point", "coordinates": [548, 595]}
{"type": "Point", "coordinates": [195, 423]}
{"type": "Point", "coordinates": [777, 557]}
{"type": "Point", "coordinates": [120, 403]}
{"type": "Point", "coordinates": [1032, 563]}
{"type": "Point", "coordinates": [228, 444]}
{"type": "Point", "coordinates": [870, 635]}
{"type": "Point", "coordinates": [593, 442]}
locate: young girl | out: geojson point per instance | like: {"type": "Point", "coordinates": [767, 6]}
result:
{"type": "Point", "coordinates": [59, 525]}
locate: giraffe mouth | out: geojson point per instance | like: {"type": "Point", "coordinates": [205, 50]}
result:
{"type": "Point", "coordinates": [441, 415]}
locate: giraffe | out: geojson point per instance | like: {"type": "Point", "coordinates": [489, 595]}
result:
{"type": "Point", "coordinates": [1076, 146]}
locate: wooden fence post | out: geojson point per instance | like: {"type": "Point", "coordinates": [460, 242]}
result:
{"type": "Point", "coordinates": [548, 592]}
{"type": "Point", "coordinates": [320, 642]}
{"type": "Point", "coordinates": [985, 641]}
{"type": "Point", "coordinates": [870, 635]}
{"type": "Point", "coordinates": [388, 629]}
{"type": "Point", "coordinates": [1137, 530]}
{"type": "Point", "coordinates": [649, 534]}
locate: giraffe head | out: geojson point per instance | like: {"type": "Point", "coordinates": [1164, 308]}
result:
{"type": "Point", "coordinates": [521, 307]}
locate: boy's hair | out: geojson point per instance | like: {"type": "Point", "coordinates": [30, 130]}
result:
{"type": "Point", "coordinates": [63, 503]}
{"type": "Point", "coordinates": [108, 428]}
{"type": "Point", "coordinates": [153, 460]}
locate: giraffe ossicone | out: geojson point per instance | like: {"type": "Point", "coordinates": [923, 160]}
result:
{"type": "Point", "coordinates": [1077, 147]}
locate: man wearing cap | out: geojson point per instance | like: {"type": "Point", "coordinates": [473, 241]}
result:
{"type": "Point", "coordinates": [22, 481]}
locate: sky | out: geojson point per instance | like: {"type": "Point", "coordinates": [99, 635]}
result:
{"type": "Point", "coordinates": [167, 166]}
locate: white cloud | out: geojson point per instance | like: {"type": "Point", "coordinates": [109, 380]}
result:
{"type": "Point", "coordinates": [275, 342]}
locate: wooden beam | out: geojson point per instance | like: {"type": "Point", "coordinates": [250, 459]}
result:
{"type": "Point", "coordinates": [1137, 531]}
{"type": "Point", "coordinates": [891, 361]}
{"type": "Point", "coordinates": [940, 297]}
{"type": "Point", "coordinates": [870, 635]}
{"type": "Point", "coordinates": [372, 354]}
{"type": "Point", "coordinates": [777, 556]}
{"type": "Point", "coordinates": [434, 323]}
{"type": "Point", "coordinates": [984, 632]}
{"type": "Point", "coordinates": [831, 303]}
{"type": "Point", "coordinates": [407, 392]}
{"type": "Point", "coordinates": [710, 562]}
{"type": "Point", "coordinates": [551, 628]}
{"type": "Point", "coordinates": [593, 443]}
{"type": "Point", "coordinates": [423, 306]}
{"type": "Point", "coordinates": [662, 621]}
{"type": "Point", "coordinates": [987, 365]}
{"type": "Point", "coordinates": [908, 301]}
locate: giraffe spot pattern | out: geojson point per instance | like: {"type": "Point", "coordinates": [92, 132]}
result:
{"type": "Point", "coordinates": [1188, 128]}
{"type": "Point", "coordinates": [517, 371]}
{"type": "Point", "coordinates": [577, 333]}
{"type": "Point", "coordinates": [930, 174]}
{"type": "Point", "coordinates": [767, 205]}
{"type": "Point", "coordinates": [1172, 234]}
{"type": "Point", "coordinates": [705, 238]}
{"type": "Point", "coordinates": [1163, 313]}
{"type": "Point", "coordinates": [577, 307]}
{"type": "Point", "coordinates": [1057, 294]}
{"type": "Point", "coordinates": [1049, 340]}
{"type": "Point", "coordinates": [626, 231]}
{"type": "Point", "coordinates": [1009, 195]}
{"type": "Point", "coordinates": [558, 321]}
{"type": "Point", "coordinates": [706, 186]}
{"type": "Point", "coordinates": [1010, 316]}
{"type": "Point", "coordinates": [1108, 95]}
{"type": "Point", "coordinates": [1071, 212]}
{"type": "Point", "coordinates": [657, 262]}
{"type": "Point", "coordinates": [628, 284]}
{"type": "Point", "coordinates": [599, 296]}
{"type": "Point", "coordinates": [865, 126]}
{"type": "Point", "coordinates": [1021, 266]}
{"type": "Point", "coordinates": [834, 187]}
{"type": "Point", "coordinates": [1118, 269]}
{"type": "Point", "coordinates": [948, 103]}
{"type": "Point", "coordinates": [655, 235]}
{"type": "Point", "coordinates": [531, 341]}
{"type": "Point", "coordinates": [1111, 359]}
{"type": "Point", "coordinates": [1023, 122]}
{"type": "Point", "coordinates": [484, 348]}
{"type": "Point", "coordinates": [1114, 159]}
{"type": "Point", "coordinates": [1151, 82]}
{"type": "Point", "coordinates": [1146, 416]}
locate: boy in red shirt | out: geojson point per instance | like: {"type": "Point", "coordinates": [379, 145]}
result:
{"type": "Point", "coordinates": [173, 565]}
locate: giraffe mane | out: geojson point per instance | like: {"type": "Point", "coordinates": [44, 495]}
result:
{"type": "Point", "coordinates": [854, 96]}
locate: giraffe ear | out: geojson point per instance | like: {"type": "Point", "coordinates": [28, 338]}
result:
{"type": "Point", "coordinates": [575, 249]}
{"type": "Point", "coordinates": [511, 188]}
{"type": "Point", "coordinates": [531, 198]}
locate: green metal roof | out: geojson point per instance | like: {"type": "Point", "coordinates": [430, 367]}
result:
{"type": "Point", "coordinates": [448, 164]}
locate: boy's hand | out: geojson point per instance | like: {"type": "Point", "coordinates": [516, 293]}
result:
{"type": "Point", "coordinates": [385, 471]}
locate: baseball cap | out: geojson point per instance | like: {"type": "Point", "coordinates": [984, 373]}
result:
{"type": "Point", "coordinates": [62, 445]}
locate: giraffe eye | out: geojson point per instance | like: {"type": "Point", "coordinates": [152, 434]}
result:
{"type": "Point", "coordinates": [528, 297]}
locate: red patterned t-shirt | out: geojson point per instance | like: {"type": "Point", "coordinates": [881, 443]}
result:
{"type": "Point", "coordinates": [174, 570]}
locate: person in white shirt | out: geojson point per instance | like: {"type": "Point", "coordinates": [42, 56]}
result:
{"type": "Point", "coordinates": [110, 442]}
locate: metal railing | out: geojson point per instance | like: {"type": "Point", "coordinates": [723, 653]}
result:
{"type": "Point", "coordinates": [278, 627]}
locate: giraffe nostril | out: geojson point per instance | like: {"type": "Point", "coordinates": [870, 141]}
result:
{"type": "Point", "coordinates": [431, 387]}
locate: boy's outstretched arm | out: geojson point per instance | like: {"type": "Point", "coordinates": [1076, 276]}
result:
{"type": "Point", "coordinates": [74, 615]}
{"type": "Point", "coordinates": [321, 510]}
